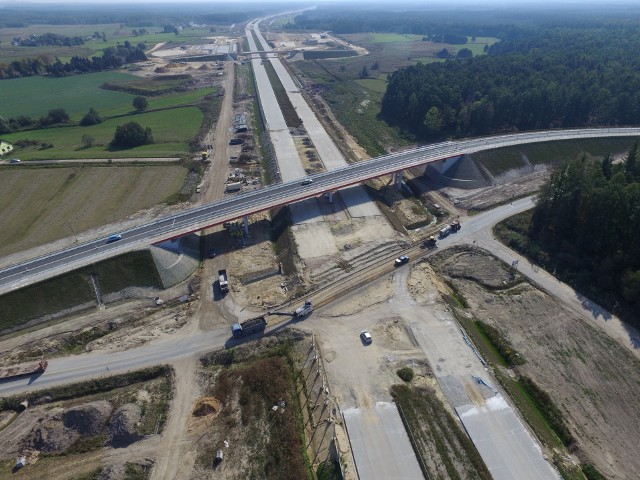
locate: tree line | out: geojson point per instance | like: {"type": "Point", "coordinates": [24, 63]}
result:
{"type": "Point", "coordinates": [112, 57]}
{"type": "Point", "coordinates": [587, 218]}
{"type": "Point", "coordinates": [51, 40]}
{"type": "Point", "coordinates": [550, 79]}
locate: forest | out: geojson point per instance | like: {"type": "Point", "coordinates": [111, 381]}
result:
{"type": "Point", "coordinates": [113, 57]}
{"type": "Point", "coordinates": [585, 228]}
{"type": "Point", "coordinates": [553, 78]}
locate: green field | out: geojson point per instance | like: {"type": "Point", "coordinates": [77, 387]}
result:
{"type": "Point", "coordinates": [41, 205]}
{"type": "Point", "coordinates": [172, 129]}
{"type": "Point", "coordinates": [76, 94]}
{"type": "Point", "coordinates": [378, 85]}
{"type": "Point", "coordinates": [35, 96]}
{"type": "Point", "coordinates": [355, 105]}
{"type": "Point", "coordinates": [393, 38]}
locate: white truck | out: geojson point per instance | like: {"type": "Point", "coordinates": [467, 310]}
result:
{"type": "Point", "coordinates": [445, 231]}
{"type": "Point", "coordinates": [233, 187]}
{"type": "Point", "coordinates": [223, 281]}
{"type": "Point", "coordinates": [304, 310]}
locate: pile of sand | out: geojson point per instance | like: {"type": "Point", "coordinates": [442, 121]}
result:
{"type": "Point", "coordinates": [206, 406]}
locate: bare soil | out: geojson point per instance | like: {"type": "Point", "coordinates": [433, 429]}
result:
{"type": "Point", "coordinates": [588, 375]}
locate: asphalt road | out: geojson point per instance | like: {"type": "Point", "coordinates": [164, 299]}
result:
{"type": "Point", "coordinates": [238, 206]}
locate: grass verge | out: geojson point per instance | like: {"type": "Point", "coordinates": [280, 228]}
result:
{"type": "Point", "coordinates": [73, 289]}
{"type": "Point", "coordinates": [442, 448]}
{"type": "Point", "coordinates": [288, 111]}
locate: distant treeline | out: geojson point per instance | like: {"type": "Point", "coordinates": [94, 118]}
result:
{"type": "Point", "coordinates": [553, 78]}
{"type": "Point", "coordinates": [417, 23]}
{"type": "Point", "coordinates": [51, 39]}
{"type": "Point", "coordinates": [133, 16]}
{"type": "Point", "coordinates": [113, 57]}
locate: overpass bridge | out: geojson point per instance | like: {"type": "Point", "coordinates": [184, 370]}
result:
{"type": "Point", "coordinates": [242, 205]}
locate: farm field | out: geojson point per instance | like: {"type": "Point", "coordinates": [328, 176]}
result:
{"type": "Point", "coordinates": [43, 205]}
{"type": "Point", "coordinates": [76, 94]}
{"type": "Point", "coordinates": [172, 129]}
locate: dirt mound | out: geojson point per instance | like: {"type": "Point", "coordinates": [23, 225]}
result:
{"type": "Point", "coordinates": [124, 423]}
{"type": "Point", "coordinates": [50, 435]}
{"type": "Point", "coordinates": [203, 67]}
{"type": "Point", "coordinates": [206, 406]}
{"type": "Point", "coordinates": [88, 419]}
{"type": "Point", "coordinates": [113, 472]}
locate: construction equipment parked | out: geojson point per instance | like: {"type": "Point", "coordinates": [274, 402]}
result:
{"type": "Point", "coordinates": [304, 310]}
{"type": "Point", "coordinates": [430, 242]}
{"type": "Point", "coordinates": [223, 281]}
{"type": "Point", "coordinates": [248, 327]}
{"type": "Point", "coordinates": [24, 370]}
{"type": "Point", "coordinates": [233, 187]}
{"type": "Point", "coordinates": [455, 225]}
{"type": "Point", "coordinates": [445, 231]}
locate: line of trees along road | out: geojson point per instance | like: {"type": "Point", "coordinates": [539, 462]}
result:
{"type": "Point", "coordinates": [585, 228]}
{"type": "Point", "coordinates": [551, 79]}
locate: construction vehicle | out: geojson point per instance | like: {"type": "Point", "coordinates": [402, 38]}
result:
{"type": "Point", "coordinates": [455, 225]}
{"type": "Point", "coordinates": [24, 370]}
{"type": "Point", "coordinates": [233, 187]}
{"type": "Point", "coordinates": [254, 325]}
{"type": "Point", "coordinates": [304, 310]}
{"type": "Point", "coordinates": [205, 155]}
{"type": "Point", "coordinates": [430, 242]}
{"type": "Point", "coordinates": [445, 231]}
{"type": "Point", "coordinates": [223, 281]}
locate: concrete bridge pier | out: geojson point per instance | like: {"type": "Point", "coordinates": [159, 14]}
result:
{"type": "Point", "coordinates": [245, 225]}
{"type": "Point", "coordinates": [397, 180]}
{"type": "Point", "coordinates": [330, 196]}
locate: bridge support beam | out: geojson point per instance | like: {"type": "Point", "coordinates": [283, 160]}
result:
{"type": "Point", "coordinates": [397, 180]}
{"type": "Point", "coordinates": [330, 196]}
{"type": "Point", "coordinates": [245, 225]}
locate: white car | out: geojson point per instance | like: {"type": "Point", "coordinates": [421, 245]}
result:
{"type": "Point", "coordinates": [307, 181]}
{"type": "Point", "coordinates": [365, 336]}
{"type": "Point", "coordinates": [14, 160]}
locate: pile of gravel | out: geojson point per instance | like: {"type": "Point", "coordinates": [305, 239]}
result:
{"type": "Point", "coordinates": [124, 425]}
{"type": "Point", "coordinates": [88, 419]}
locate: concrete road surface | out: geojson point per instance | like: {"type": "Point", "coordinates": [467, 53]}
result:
{"type": "Point", "coordinates": [380, 444]}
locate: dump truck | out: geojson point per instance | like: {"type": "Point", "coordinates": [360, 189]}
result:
{"type": "Point", "coordinates": [24, 370]}
{"type": "Point", "coordinates": [304, 310]}
{"type": "Point", "coordinates": [223, 281]}
{"type": "Point", "coordinates": [455, 225]}
{"type": "Point", "coordinates": [248, 327]}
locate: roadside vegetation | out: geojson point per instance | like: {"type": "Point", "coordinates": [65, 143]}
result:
{"type": "Point", "coordinates": [443, 449]}
{"type": "Point", "coordinates": [288, 111]}
{"type": "Point", "coordinates": [260, 412]}
{"type": "Point", "coordinates": [584, 229]}
{"type": "Point", "coordinates": [76, 289]}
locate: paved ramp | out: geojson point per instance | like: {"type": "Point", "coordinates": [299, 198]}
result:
{"type": "Point", "coordinates": [380, 444]}
{"type": "Point", "coordinates": [505, 445]}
